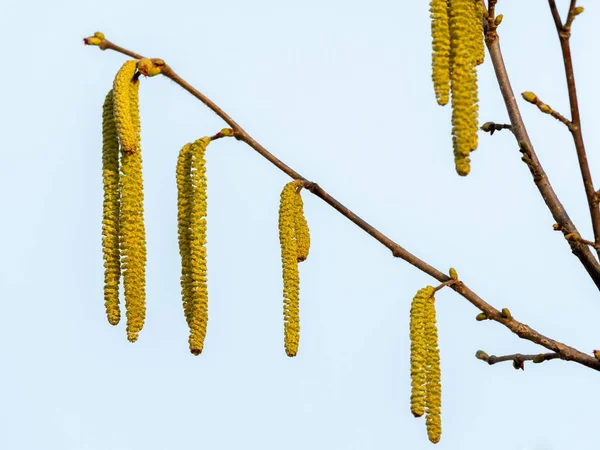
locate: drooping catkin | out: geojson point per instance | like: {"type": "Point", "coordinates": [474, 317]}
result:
{"type": "Point", "coordinates": [122, 106]}
{"type": "Point", "coordinates": [418, 352]}
{"type": "Point", "coordinates": [433, 400]}
{"type": "Point", "coordinates": [132, 229]}
{"type": "Point", "coordinates": [463, 82]}
{"type": "Point", "coordinates": [301, 231]}
{"type": "Point", "coordinates": [110, 211]}
{"type": "Point", "coordinates": [184, 213]}
{"type": "Point", "coordinates": [440, 60]}
{"type": "Point", "coordinates": [478, 39]}
{"type": "Point", "coordinates": [198, 309]}
{"type": "Point", "coordinates": [289, 260]}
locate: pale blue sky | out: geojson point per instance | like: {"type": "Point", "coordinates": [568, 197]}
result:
{"type": "Point", "coordinates": [341, 92]}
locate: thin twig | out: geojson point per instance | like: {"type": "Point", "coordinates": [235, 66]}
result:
{"type": "Point", "coordinates": [564, 34]}
{"type": "Point", "coordinates": [517, 358]}
{"type": "Point", "coordinates": [540, 178]}
{"type": "Point", "coordinates": [520, 329]}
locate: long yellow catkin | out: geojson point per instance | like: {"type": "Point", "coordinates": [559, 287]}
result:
{"type": "Point", "coordinates": [418, 351]}
{"type": "Point", "coordinates": [198, 309]}
{"type": "Point", "coordinates": [132, 229]}
{"type": "Point", "coordinates": [463, 83]}
{"type": "Point", "coordinates": [289, 260]}
{"type": "Point", "coordinates": [122, 106]}
{"type": "Point", "coordinates": [301, 231]}
{"type": "Point", "coordinates": [477, 42]}
{"type": "Point", "coordinates": [184, 213]}
{"type": "Point", "coordinates": [433, 401]}
{"type": "Point", "coordinates": [440, 60]}
{"type": "Point", "coordinates": [110, 211]}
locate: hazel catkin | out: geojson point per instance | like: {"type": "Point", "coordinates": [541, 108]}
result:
{"type": "Point", "coordinates": [110, 211]}
{"type": "Point", "coordinates": [291, 277]}
{"type": "Point", "coordinates": [132, 230]}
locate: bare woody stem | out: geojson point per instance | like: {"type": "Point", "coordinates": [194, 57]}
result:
{"type": "Point", "coordinates": [540, 178]}
{"type": "Point", "coordinates": [523, 331]}
{"type": "Point", "coordinates": [519, 358]}
{"type": "Point", "coordinates": [564, 35]}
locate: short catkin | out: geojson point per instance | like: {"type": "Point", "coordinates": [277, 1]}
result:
{"type": "Point", "coordinates": [110, 211]}
{"type": "Point", "coordinates": [289, 259]}
{"type": "Point", "coordinates": [132, 230]}
{"type": "Point", "coordinates": [301, 231]}
{"type": "Point", "coordinates": [122, 105]}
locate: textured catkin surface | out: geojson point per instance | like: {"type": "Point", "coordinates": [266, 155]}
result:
{"type": "Point", "coordinates": [440, 62]}
{"type": "Point", "coordinates": [110, 211]}
{"type": "Point", "coordinates": [289, 261]}
{"type": "Point", "coordinates": [132, 229]}
{"type": "Point", "coordinates": [433, 401]}
{"type": "Point", "coordinates": [418, 352]}
{"type": "Point", "coordinates": [126, 128]}
{"type": "Point", "coordinates": [301, 231]}
{"type": "Point", "coordinates": [463, 82]}
{"type": "Point", "coordinates": [198, 309]}
{"type": "Point", "coordinates": [184, 213]}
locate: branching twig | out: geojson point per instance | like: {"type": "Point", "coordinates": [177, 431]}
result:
{"type": "Point", "coordinates": [491, 127]}
{"type": "Point", "coordinates": [520, 329]}
{"type": "Point", "coordinates": [540, 178]}
{"type": "Point", "coordinates": [517, 359]}
{"type": "Point", "coordinates": [564, 34]}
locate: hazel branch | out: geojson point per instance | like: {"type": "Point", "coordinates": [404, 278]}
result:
{"type": "Point", "coordinates": [582, 252]}
{"type": "Point", "coordinates": [517, 359]}
{"type": "Point", "coordinates": [564, 35]}
{"type": "Point", "coordinates": [491, 127]}
{"type": "Point", "coordinates": [546, 109]}
{"type": "Point", "coordinates": [520, 329]}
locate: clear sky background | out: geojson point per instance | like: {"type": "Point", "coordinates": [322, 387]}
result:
{"type": "Point", "coordinates": [341, 92]}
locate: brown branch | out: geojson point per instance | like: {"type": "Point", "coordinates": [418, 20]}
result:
{"type": "Point", "coordinates": [564, 35]}
{"type": "Point", "coordinates": [539, 175]}
{"type": "Point", "coordinates": [517, 359]}
{"type": "Point", "coordinates": [520, 329]}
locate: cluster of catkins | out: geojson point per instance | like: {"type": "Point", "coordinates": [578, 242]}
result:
{"type": "Point", "coordinates": [123, 231]}
{"type": "Point", "coordinates": [457, 35]}
{"type": "Point", "coordinates": [425, 374]}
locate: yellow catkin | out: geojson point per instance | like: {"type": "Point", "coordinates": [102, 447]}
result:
{"type": "Point", "coordinates": [478, 44]}
{"type": "Point", "coordinates": [433, 400]}
{"type": "Point", "coordinates": [418, 351]}
{"type": "Point", "coordinates": [440, 62]}
{"type": "Point", "coordinates": [122, 105]}
{"type": "Point", "coordinates": [291, 277]}
{"type": "Point", "coordinates": [132, 229]}
{"type": "Point", "coordinates": [463, 83]}
{"type": "Point", "coordinates": [198, 310]}
{"type": "Point", "coordinates": [301, 231]}
{"type": "Point", "coordinates": [184, 212]}
{"type": "Point", "coordinates": [110, 211]}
